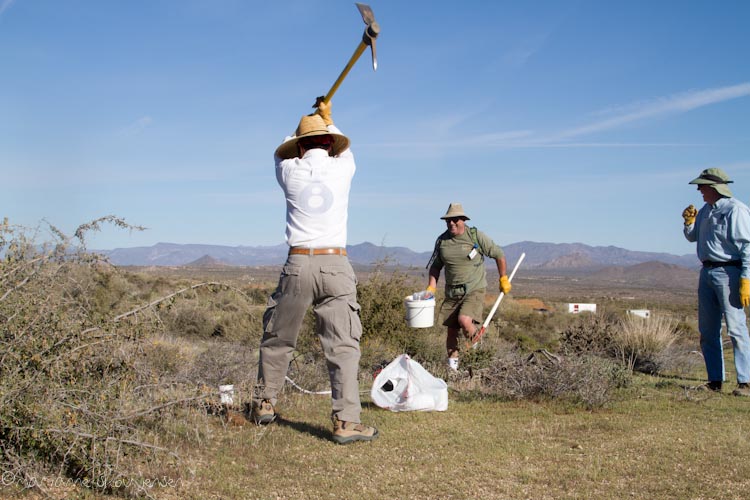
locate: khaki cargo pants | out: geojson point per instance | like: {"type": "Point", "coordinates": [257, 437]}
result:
{"type": "Point", "coordinates": [328, 283]}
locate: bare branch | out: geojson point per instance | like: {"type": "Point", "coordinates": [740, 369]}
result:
{"type": "Point", "coordinates": [171, 295]}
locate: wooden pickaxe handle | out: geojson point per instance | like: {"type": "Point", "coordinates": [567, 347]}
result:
{"type": "Point", "coordinates": [368, 39]}
{"type": "Point", "coordinates": [357, 53]}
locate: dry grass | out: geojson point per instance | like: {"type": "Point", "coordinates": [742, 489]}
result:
{"type": "Point", "coordinates": [649, 439]}
{"type": "Point", "coordinates": [641, 342]}
{"type": "Point", "coordinates": [655, 442]}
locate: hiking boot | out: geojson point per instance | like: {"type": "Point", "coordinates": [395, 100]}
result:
{"type": "Point", "coordinates": [714, 386]}
{"type": "Point", "coordinates": [743, 389]}
{"type": "Point", "coordinates": [348, 432]}
{"type": "Point", "coordinates": [263, 413]}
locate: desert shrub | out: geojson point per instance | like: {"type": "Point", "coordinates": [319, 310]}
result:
{"type": "Point", "coordinates": [191, 321]}
{"type": "Point", "coordinates": [90, 387]}
{"type": "Point", "coordinates": [258, 295]}
{"type": "Point", "coordinates": [530, 329]}
{"type": "Point", "coordinates": [686, 331]}
{"type": "Point", "coordinates": [640, 343]}
{"type": "Point", "coordinates": [383, 316]}
{"type": "Point", "coordinates": [68, 398]}
{"type": "Point", "coordinates": [582, 379]}
{"type": "Point", "coordinates": [590, 334]}
{"type": "Point", "coordinates": [223, 312]}
{"type": "Point", "coordinates": [381, 298]}
{"type": "Point", "coordinates": [224, 363]}
{"type": "Point", "coordinates": [681, 360]}
{"type": "Point", "coordinates": [477, 359]}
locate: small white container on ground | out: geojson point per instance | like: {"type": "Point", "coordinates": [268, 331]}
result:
{"type": "Point", "coordinates": [226, 392]}
{"type": "Point", "coordinates": [419, 313]}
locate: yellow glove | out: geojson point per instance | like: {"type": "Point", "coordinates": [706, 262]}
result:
{"type": "Point", "coordinates": [324, 110]}
{"type": "Point", "coordinates": [431, 289]}
{"type": "Point", "coordinates": [504, 284]}
{"type": "Point", "coordinates": [745, 292]}
{"type": "Point", "coordinates": [689, 215]}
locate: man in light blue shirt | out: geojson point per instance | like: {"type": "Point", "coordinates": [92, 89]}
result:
{"type": "Point", "coordinates": [722, 230]}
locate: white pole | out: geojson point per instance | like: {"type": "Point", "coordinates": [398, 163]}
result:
{"type": "Point", "coordinates": [497, 303]}
{"type": "Point", "coordinates": [500, 297]}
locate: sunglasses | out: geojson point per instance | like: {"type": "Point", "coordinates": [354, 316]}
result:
{"type": "Point", "coordinates": [454, 220]}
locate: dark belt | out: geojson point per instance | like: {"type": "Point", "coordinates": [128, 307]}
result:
{"type": "Point", "coordinates": [732, 263]}
{"type": "Point", "coordinates": [317, 251]}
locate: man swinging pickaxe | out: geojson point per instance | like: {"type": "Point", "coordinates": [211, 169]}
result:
{"type": "Point", "coordinates": [372, 30]}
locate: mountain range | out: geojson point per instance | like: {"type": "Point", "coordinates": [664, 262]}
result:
{"type": "Point", "coordinates": [551, 256]}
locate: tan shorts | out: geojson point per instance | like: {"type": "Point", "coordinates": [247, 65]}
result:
{"type": "Point", "coordinates": [471, 304]}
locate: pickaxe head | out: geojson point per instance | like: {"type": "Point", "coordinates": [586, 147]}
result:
{"type": "Point", "coordinates": [368, 39]}
{"type": "Point", "coordinates": [371, 31]}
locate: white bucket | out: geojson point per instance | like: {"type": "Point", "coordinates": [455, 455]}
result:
{"type": "Point", "coordinates": [420, 313]}
{"type": "Point", "coordinates": [226, 392]}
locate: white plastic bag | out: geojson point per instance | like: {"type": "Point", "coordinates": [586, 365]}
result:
{"type": "Point", "coordinates": [404, 385]}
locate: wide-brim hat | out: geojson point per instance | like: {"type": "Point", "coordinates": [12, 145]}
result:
{"type": "Point", "coordinates": [455, 210]}
{"type": "Point", "coordinates": [309, 126]}
{"type": "Point", "coordinates": [717, 179]}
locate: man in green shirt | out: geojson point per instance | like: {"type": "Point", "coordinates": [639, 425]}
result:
{"type": "Point", "coordinates": [461, 250]}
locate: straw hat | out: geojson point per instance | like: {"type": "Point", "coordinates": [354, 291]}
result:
{"type": "Point", "coordinates": [309, 126]}
{"type": "Point", "coordinates": [455, 210]}
{"type": "Point", "coordinates": [717, 179]}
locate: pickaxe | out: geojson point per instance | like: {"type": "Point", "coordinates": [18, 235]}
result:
{"type": "Point", "coordinates": [372, 30]}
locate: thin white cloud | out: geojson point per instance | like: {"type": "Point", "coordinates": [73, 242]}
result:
{"type": "Point", "coordinates": [679, 103]}
{"type": "Point", "coordinates": [518, 56]}
{"type": "Point", "coordinates": [5, 5]}
{"type": "Point", "coordinates": [526, 139]}
{"type": "Point", "coordinates": [511, 137]}
{"type": "Point", "coordinates": [136, 127]}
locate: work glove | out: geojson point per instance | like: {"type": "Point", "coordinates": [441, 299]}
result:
{"type": "Point", "coordinates": [324, 110]}
{"type": "Point", "coordinates": [745, 292]}
{"type": "Point", "coordinates": [423, 295]}
{"type": "Point", "coordinates": [689, 215]}
{"type": "Point", "coordinates": [504, 284]}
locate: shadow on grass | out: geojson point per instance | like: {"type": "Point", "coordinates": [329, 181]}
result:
{"type": "Point", "coordinates": [313, 430]}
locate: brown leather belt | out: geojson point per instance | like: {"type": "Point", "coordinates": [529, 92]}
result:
{"type": "Point", "coordinates": [317, 251]}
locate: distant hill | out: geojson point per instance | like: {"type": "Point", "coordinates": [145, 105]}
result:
{"type": "Point", "coordinates": [543, 256]}
{"type": "Point", "coordinates": [576, 260]}
{"type": "Point", "coordinates": [173, 254]}
{"type": "Point", "coordinates": [539, 255]}
{"type": "Point", "coordinates": [206, 261]}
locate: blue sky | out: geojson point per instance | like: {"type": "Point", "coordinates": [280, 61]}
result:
{"type": "Point", "coordinates": [551, 121]}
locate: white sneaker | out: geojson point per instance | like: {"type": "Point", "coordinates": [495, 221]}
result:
{"type": "Point", "coordinates": [453, 364]}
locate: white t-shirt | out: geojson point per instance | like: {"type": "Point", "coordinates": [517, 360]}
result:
{"type": "Point", "coordinates": [316, 188]}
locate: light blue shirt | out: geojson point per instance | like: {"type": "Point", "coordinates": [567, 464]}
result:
{"type": "Point", "coordinates": [723, 233]}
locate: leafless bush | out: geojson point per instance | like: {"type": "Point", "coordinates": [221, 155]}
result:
{"type": "Point", "coordinates": [640, 344]}
{"type": "Point", "coordinates": [590, 334]}
{"type": "Point", "coordinates": [582, 379]}
{"type": "Point", "coordinates": [225, 363]}
{"type": "Point", "coordinates": [681, 361]}
{"type": "Point", "coordinates": [74, 399]}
